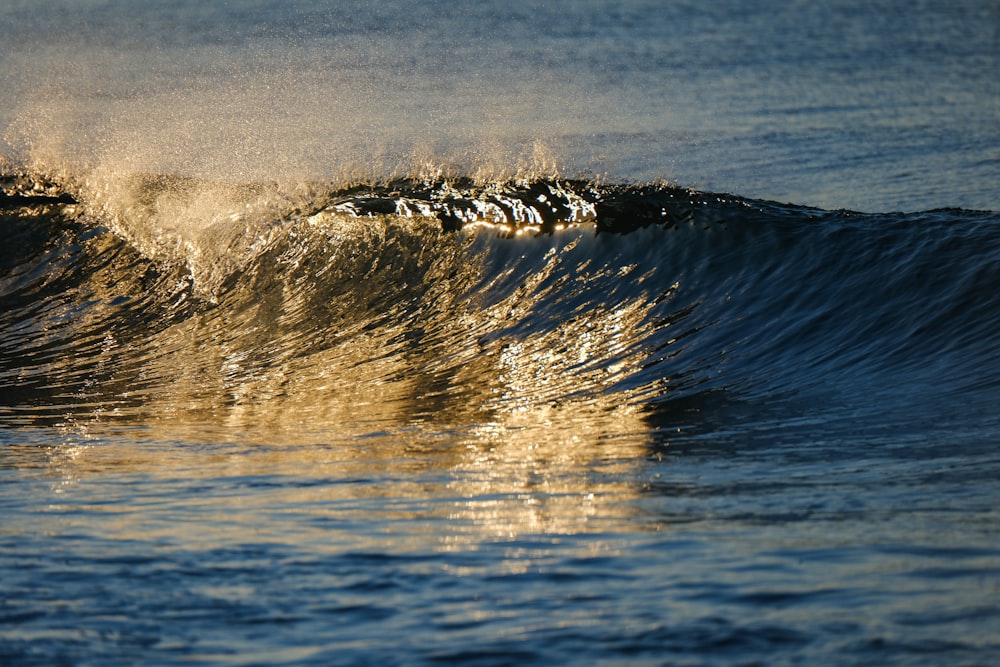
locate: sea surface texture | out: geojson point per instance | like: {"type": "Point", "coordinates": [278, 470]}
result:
{"type": "Point", "coordinates": [499, 333]}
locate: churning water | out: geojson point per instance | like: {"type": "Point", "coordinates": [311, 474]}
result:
{"type": "Point", "coordinates": [420, 333]}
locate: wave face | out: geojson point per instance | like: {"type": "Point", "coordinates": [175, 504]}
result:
{"type": "Point", "coordinates": [455, 302]}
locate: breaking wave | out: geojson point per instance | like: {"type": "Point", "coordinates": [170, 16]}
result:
{"type": "Point", "coordinates": [451, 300]}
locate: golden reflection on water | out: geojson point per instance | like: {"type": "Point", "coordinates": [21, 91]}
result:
{"type": "Point", "coordinates": [540, 472]}
{"type": "Point", "coordinates": [426, 410]}
{"type": "Point", "coordinates": [356, 443]}
{"type": "Point", "coordinates": [549, 471]}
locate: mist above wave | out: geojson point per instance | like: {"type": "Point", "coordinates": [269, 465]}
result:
{"type": "Point", "coordinates": [871, 108]}
{"type": "Point", "coordinates": [288, 92]}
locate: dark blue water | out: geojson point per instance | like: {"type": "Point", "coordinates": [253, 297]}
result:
{"type": "Point", "coordinates": [394, 333]}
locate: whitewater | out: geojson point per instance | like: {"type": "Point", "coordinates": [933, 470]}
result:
{"type": "Point", "coordinates": [646, 333]}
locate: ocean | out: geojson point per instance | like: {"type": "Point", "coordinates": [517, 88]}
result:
{"type": "Point", "coordinates": [499, 333]}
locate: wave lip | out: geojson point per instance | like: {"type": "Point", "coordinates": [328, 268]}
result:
{"type": "Point", "coordinates": [19, 191]}
{"type": "Point", "coordinates": [541, 205]}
